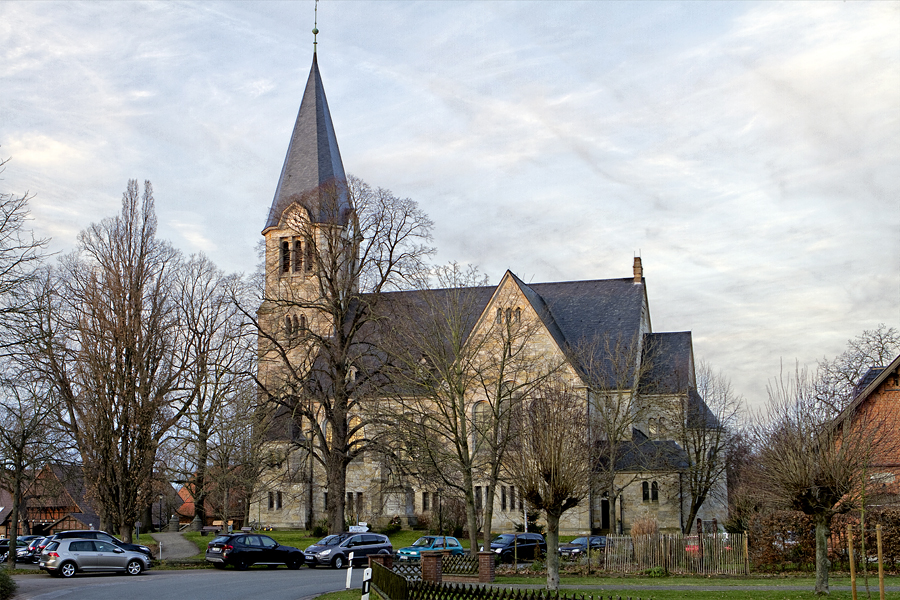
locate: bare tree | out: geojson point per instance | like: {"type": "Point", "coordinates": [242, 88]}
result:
{"type": "Point", "coordinates": [106, 341]}
{"type": "Point", "coordinates": [28, 440]}
{"type": "Point", "coordinates": [837, 379]}
{"type": "Point", "coordinates": [808, 462]}
{"type": "Point", "coordinates": [550, 459]}
{"type": "Point", "coordinates": [362, 242]}
{"type": "Point", "coordinates": [20, 256]}
{"type": "Point", "coordinates": [613, 368]}
{"type": "Point", "coordinates": [218, 353]}
{"type": "Point", "coordinates": [705, 429]}
{"type": "Point", "coordinates": [460, 376]}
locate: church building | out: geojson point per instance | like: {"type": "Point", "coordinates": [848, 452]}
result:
{"type": "Point", "coordinates": [649, 465]}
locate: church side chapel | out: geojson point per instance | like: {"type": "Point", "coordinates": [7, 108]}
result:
{"type": "Point", "coordinates": [347, 354]}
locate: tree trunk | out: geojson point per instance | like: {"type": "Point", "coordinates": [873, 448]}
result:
{"type": "Point", "coordinates": [471, 517]}
{"type": "Point", "coordinates": [822, 562]}
{"type": "Point", "coordinates": [13, 528]}
{"type": "Point", "coordinates": [200, 492]}
{"type": "Point", "coordinates": [489, 511]}
{"type": "Point", "coordinates": [337, 489]}
{"type": "Point", "coordinates": [552, 552]}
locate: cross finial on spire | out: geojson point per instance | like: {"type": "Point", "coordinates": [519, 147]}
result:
{"type": "Point", "coordinates": [315, 30]}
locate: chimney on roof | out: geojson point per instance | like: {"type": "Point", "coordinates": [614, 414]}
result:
{"type": "Point", "coordinates": [638, 270]}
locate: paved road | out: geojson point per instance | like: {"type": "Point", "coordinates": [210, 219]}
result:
{"type": "Point", "coordinates": [173, 546]}
{"type": "Point", "coordinates": [199, 584]}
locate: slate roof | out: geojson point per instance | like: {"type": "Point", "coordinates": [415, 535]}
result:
{"type": "Point", "coordinates": [643, 454]}
{"type": "Point", "coordinates": [313, 158]}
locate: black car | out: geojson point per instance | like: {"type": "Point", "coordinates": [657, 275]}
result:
{"type": "Point", "coordinates": [4, 550]}
{"type": "Point", "coordinates": [578, 546]}
{"type": "Point", "coordinates": [519, 546]}
{"type": "Point", "coordinates": [29, 552]}
{"type": "Point", "coordinates": [335, 549]}
{"type": "Point", "coordinates": [245, 549]}
{"type": "Point", "coordinates": [101, 536]}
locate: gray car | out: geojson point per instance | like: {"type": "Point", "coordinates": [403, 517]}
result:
{"type": "Point", "coordinates": [64, 558]}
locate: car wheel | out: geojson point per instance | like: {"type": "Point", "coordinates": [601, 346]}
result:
{"type": "Point", "coordinates": [67, 570]}
{"type": "Point", "coordinates": [241, 564]}
{"type": "Point", "coordinates": [338, 562]}
{"type": "Point", "coordinates": [294, 563]}
{"type": "Point", "coordinates": [135, 567]}
{"type": "Point", "coordinates": [219, 565]}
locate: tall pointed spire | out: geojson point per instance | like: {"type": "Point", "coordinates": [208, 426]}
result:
{"type": "Point", "coordinates": [313, 158]}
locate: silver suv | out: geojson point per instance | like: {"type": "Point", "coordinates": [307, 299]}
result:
{"type": "Point", "coordinates": [64, 558]}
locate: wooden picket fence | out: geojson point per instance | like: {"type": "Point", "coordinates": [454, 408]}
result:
{"type": "Point", "coordinates": [708, 554]}
{"type": "Point", "coordinates": [422, 590]}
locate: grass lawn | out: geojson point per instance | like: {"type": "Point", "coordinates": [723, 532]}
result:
{"type": "Point", "coordinates": [670, 595]}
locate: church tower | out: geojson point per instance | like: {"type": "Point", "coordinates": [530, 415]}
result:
{"type": "Point", "coordinates": [311, 200]}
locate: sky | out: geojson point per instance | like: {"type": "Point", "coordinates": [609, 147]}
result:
{"type": "Point", "coordinates": [749, 152]}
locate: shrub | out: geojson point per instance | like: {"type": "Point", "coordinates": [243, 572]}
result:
{"type": "Point", "coordinates": [656, 572]}
{"type": "Point", "coordinates": [320, 529]}
{"type": "Point", "coordinates": [7, 585]}
{"type": "Point", "coordinates": [645, 524]}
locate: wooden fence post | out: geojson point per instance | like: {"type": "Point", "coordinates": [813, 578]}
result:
{"type": "Point", "coordinates": [852, 561]}
{"type": "Point", "coordinates": [746, 553]}
{"type": "Point", "coordinates": [880, 562]}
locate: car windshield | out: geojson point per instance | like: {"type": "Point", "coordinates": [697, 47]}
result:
{"type": "Point", "coordinates": [424, 541]}
{"type": "Point", "coordinates": [580, 541]}
{"type": "Point", "coordinates": [503, 538]}
{"type": "Point", "coordinates": [332, 540]}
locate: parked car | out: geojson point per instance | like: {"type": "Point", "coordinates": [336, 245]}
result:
{"type": "Point", "coordinates": [335, 549]}
{"type": "Point", "coordinates": [102, 536]}
{"type": "Point", "coordinates": [243, 550]}
{"type": "Point", "coordinates": [430, 542]}
{"type": "Point", "coordinates": [68, 556]}
{"type": "Point", "coordinates": [30, 552]}
{"type": "Point", "coordinates": [4, 550]}
{"type": "Point", "coordinates": [519, 546]}
{"type": "Point", "coordinates": [578, 546]}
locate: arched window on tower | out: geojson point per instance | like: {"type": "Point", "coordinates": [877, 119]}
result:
{"type": "Point", "coordinates": [302, 322]}
{"type": "Point", "coordinates": [645, 491]}
{"type": "Point", "coordinates": [288, 325]}
{"type": "Point", "coordinates": [298, 256]}
{"type": "Point", "coordinates": [499, 317]}
{"type": "Point", "coordinates": [310, 256]}
{"type": "Point", "coordinates": [285, 256]}
{"type": "Point", "coordinates": [654, 492]}
{"type": "Point", "coordinates": [296, 325]}
{"type": "Point", "coordinates": [518, 314]}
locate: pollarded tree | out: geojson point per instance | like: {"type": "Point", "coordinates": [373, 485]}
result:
{"type": "Point", "coordinates": [809, 462]}
{"type": "Point", "coordinates": [106, 340]}
{"type": "Point", "coordinates": [551, 458]}
{"type": "Point", "coordinates": [319, 353]}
